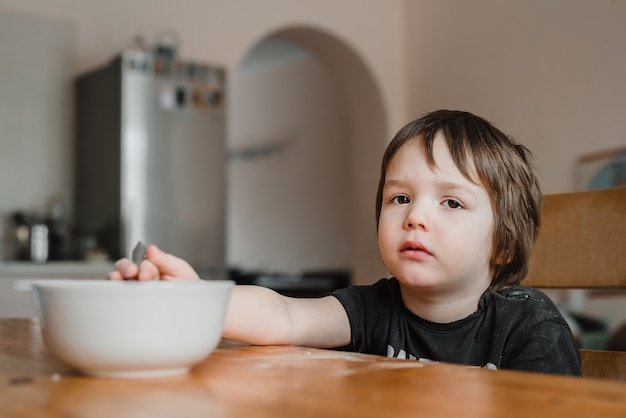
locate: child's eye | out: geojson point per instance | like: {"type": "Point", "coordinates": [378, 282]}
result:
{"type": "Point", "coordinates": [400, 200]}
{"type": "Point", "coordinates": [452, 204]}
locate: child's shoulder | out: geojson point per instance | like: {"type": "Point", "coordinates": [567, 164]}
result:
{"type": "Point", "coordinates": [518, 292]}
{"type": "Point", "coordinates": [526, 303]}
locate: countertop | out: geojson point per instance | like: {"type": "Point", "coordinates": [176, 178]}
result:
{"type": "Point", "coordinates": [16, 279]}
{"type": "Point", "coordinates": [54, 268]}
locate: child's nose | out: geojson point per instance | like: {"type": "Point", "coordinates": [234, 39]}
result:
{"type": "Point", "coordinates": [415, 217]}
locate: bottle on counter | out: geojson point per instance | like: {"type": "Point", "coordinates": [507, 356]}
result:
{"type": "Point", "coordinates": [58, 240]}
{"type": "Point", "coordinates": [21, 221]}
{"type": "Point", "coordinates": [31, 237]}
{"type": "Point", "coordinates": [39, 241]}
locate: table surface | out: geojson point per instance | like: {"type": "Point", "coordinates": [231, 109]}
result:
{"type": "Point", "coordinates": [247, 381]}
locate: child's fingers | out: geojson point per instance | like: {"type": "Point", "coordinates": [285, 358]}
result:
{"type": "Point", "coordinates": [169, 266]}
{"type": "Point", "coordinates": [148, 271]}
{"type": "Point", "coordinates": [124, 269]}
{"type": "Point", "coordinates": [115, 275]}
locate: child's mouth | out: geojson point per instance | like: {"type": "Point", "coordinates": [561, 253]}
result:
{"type": "Point", "coordinates": [412, 247]}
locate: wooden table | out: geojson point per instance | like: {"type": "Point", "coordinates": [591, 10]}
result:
{"type": "Point", "coordinates": [244, 381]}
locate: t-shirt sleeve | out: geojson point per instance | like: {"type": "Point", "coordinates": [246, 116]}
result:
{"type": "Point", "coordinates": [542, 341]}
{"type": "Point", "coordinates": [548, 348]}
{"type": "Point", "coordinates": [368, 312]}
{"type": "Point", "coordinates": [352, 301]}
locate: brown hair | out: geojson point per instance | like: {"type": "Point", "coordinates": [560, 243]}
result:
{"type": "Point", "coordinates": [504, 170]}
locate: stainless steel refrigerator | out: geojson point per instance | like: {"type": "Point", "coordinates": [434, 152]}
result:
{"type": "Point", "coordinates": [151, 158]}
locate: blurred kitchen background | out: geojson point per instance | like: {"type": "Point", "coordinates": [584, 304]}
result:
{"type": "Point", "coordinates": [313, 91]}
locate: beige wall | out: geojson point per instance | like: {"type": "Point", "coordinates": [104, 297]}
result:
{"type": "Point", "coordinates": [550, 73]}
{"type": "Point", "coordinates": [223, 32]}
{"type": "Point", "coordinates": [288, 200]}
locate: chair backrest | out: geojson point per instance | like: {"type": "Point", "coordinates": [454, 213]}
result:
{"type": "Point", "coordinates": [582, 244]}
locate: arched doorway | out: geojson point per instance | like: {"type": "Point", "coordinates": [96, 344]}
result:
{"type": "Point", "coordinates": [306, 133]}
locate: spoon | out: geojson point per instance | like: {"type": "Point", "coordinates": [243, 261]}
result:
{"type": "Point", "coordinates": [139, 253]}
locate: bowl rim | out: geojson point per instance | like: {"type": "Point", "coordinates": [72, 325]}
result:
{"type": "Point", "coordinates": [105, 283]}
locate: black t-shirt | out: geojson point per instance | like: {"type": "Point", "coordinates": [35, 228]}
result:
{"type": "Point", "coordinates": [517, 328]}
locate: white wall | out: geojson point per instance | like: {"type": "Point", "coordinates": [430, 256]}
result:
{"type": "Point", "coordinates": [35, 117]}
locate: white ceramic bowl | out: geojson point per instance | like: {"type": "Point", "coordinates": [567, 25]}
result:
{"type": "Point", "coordinates": [131, 329]}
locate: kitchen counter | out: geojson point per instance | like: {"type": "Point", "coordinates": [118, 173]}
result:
{"type": "Point", "coordinates": [16, 278]}
{"type": "Point", "coordinates": [56, 269]}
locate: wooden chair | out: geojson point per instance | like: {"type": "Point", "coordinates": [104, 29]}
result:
{"type": "Point", "coordinates": [582, 244]}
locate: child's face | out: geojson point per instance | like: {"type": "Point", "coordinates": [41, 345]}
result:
{"type": "Point", "coordinates": [435, 226]}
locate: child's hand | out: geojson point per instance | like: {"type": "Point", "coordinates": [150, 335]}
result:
{"type": "Point", "coordinates": [157, 265]}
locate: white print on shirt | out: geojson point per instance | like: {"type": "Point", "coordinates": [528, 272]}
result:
{"type": "Point", "coordinates": [403, 355]}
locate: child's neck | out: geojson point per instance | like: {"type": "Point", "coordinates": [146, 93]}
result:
{"type": "Point", "coordinates": [442, 307]}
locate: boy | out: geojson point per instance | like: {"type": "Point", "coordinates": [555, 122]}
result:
{"type": "Point", "coordinates": [458, 209]}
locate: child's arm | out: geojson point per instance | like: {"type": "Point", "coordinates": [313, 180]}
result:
{"type": "Point", "coordinates": [258, 315]}
{"type": "Point", "coordinates": [255, 315]}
